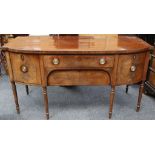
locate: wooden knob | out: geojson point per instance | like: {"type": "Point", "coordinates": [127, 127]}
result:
{"type": "Point", "coordinates": [133, 68]}
{"type": "Point", "coordinates": [22, 57]}
{"type": "Point", "coordinates": [102, 61]}
{"type": "Point", "coordinates": [24, 68]}
{"type": "Point", "coordinates": [56, 61]}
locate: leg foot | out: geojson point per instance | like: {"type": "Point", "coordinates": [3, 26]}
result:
{"type": "Point", "coordinates": [15, 96]}
{"type": "Point", "coordinates": [47, 116]}
{"type": "Point", "coordinates": [127, 88]}
{"type": "Point", "coordinates": [27, 89]}
{"type": "Point", "coordinates": [110, 115]}
{"type": "Point", "coordinates": [141, 90]}
{"type": "Point", "coordinates": [112, 95]}
{"type": "Point", "coordinates": [138, 109]}
{"type": "Point", "coordinates": [45, 101]}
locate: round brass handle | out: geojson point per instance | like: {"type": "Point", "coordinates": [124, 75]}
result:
{"type": "Point", "coordinates": [102, 61]}
{"type": "Point", "coordinates": [133, 68]}
{"type": "Point", "coordinates": [24, 68]}
{"type": "Point", "coordinates": [56, 61]}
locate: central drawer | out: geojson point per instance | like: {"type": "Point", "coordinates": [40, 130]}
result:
{"type": "Point", "coordinates": [78, 61]}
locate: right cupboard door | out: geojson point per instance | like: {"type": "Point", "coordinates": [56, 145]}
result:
{"type": "Point", "coordinates": [130, 68]}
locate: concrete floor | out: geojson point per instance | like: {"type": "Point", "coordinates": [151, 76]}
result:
{"type": "Point", "coordinates": [74, 103]}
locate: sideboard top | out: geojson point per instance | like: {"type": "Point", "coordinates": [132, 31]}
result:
{"type": "Point", "coordinates": [111, 44]}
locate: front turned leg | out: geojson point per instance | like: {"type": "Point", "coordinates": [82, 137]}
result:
{"type": "Point", "coordinates": [45, 101]}
{"type": "Point", "coordinates": [112, 96]}
{"type": "Point", "coordinates": [27, 89]}
{"type": "Point", "coordinates": [141, 90]}
{"type": "Point", "coordinates": [0, 70]}
{"type": "Point", "coordinates": [15, 96]}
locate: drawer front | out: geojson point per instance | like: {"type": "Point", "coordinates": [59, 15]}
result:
{"type": "Point", "coordinates": [25, 68]}
{"type": "Point", "coordinates": [130, 68]}
{"type": "Point", "coordinates": [72, 61]}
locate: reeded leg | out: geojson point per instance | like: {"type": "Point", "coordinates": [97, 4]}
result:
{"type": "Point", "coordinates": [15, 96]}
{"type": "Point", "coordinates": [27, 89]}
{"type": "Point", "coordinates": [46, 101]}
{"type": "Point", "coordinates": [141, 89]}
{"type": "Point", "coordinates": [127, 88]}
{"type": "Point", "coordinates": [112, 96]}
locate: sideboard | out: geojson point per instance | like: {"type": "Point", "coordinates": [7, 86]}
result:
{"type": "Point", "coordinates": [77, 60]}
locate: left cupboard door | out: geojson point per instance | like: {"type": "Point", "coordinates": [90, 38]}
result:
{"type": "Point", "coordinates": [25, 68]}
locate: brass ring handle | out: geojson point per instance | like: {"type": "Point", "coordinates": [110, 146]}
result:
{"type": "Point", "coordinates": [55, 61]}
{"type": "Point", "coordinates": [133, 68]}
{"type": "Point", "coordinates": [24, 69]}
{"type": "Point", "coordinates": [102, 61]}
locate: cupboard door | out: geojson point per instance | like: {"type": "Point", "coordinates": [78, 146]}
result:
{"type": "Point", "coordinates": [130, 68]}
{"type": "Point", "coordinates": [25, 68]}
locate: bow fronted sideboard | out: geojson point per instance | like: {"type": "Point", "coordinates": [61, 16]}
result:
{"type": "Point", "coordinates": [77, 60]}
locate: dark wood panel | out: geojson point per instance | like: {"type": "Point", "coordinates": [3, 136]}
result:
{"type": "Point", "coordinates": [67, 78]}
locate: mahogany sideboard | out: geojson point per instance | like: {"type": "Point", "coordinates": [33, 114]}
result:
{"type": "Point", "coordinates": [77, 60]}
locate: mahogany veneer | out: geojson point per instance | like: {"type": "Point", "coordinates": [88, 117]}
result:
{"type": "Point", "coordinates": [77, 60]}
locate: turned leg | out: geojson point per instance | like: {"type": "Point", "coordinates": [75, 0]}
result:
{"type": "Point", "coordinates": [0, 69]}
{"type": "Point", "coordinates": [141, 89]}
{"type": "Point", "coordinates": [45, 101]}
{"type": "Point", "coordinates": [15, 96]}
{"type": "Point", "coordinates": [127, 88]}
{"type": "Point", "coordinates": [112, 95]}
{"type": "Point", "coordinates": [0, 64]}
{"type": "Point", "coordinates": [27, 89]}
